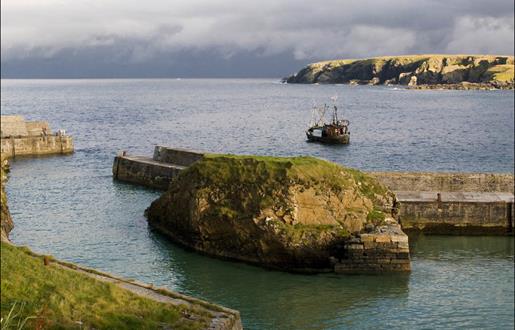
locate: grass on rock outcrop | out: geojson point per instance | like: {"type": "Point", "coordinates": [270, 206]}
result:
{"type": "Point", "coordinates": [277, 173]}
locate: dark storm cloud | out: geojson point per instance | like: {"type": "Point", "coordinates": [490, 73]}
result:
{"type": "Point", "coordinates": [237, 38]}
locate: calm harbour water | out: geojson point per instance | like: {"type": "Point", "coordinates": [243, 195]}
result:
{"type": "Point", "coordinates": [70, 207]}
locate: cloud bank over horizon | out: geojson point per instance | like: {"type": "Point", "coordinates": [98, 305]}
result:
{"type": "Point", "coordinates": [229, 38]}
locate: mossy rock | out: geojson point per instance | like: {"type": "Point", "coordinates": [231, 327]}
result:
{"type": "Point", "coordinates": [289, 213]}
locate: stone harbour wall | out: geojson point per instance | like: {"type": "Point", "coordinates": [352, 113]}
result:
{"type": "Point", "coordinates": [451, 182]}
{"type": "Point", "coordinates": [17, 126]}
{"type": "Point", "coordinates": [457, 217]}
{"type": "Point", "coordinates": [384, 250]}
{"type": "Point", "coordinates": [156, 172]}
{"type": "Point", "coordinates": [37, 145]}
{"type": "Point", "coordinates": [453, 203]}
{"type": "Point", "coordinates": [144, 171]}
{"type": "Point", "coordinates": [13, 126]}
{"type": "Point", "coordinates": [181, 157]}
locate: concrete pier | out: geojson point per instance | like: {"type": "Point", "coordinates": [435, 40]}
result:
{"type": "Point", "coordinates": [156, 171]}
{"type": "Point", "coordinates": [30, 138]}
{"type": "Point", "coordinates": [433, 203]}
{"type": "Point", "coordinates": [453, 203]}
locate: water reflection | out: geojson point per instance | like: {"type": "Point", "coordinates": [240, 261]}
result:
{"type": "Point", "coordinates": [461, 247]}
{"type": "Point", "coordinates": [289, 301]}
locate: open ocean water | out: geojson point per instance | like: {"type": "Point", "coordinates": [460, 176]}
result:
{"type": "Point", "coordinates": [70, 207]}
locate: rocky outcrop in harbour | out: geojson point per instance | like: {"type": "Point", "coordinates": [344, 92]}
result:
{"type": "Point", "coordinates": [419, 71]}
{"type": "Point", "coordinates": [294, 214]}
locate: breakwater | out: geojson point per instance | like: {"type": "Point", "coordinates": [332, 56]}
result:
{"type": "Point", "coordinates": [433, 203]}
{"type": "Point", "coordinates": [448, 182]}
{"type": "Point", "coordinates": [453, 203]}
{"type": "Point", "coordinates": [156, 171]}
{"type": "Point", "coordinates": [31, 138]}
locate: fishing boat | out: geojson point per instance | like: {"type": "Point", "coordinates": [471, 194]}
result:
{"type": "Point", "coordinates": [334, 132]}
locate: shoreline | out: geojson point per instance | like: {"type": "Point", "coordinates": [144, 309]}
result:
{"type": "Point", "coordinates": [463, 86]}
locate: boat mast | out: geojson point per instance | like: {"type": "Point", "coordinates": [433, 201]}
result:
{"type": "Point", "coordinates": [335, 110]}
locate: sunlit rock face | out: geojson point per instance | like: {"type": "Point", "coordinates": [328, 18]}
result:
{"type": "Point", "coordinates": [479, 72]}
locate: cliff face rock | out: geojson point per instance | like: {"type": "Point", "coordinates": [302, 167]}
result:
{"type": "Point", "coordinates": [6, 223]}
{"type": "Point", "coordinates": [288, 213]}
{"type": "Point", "coordinates": [450, 70]}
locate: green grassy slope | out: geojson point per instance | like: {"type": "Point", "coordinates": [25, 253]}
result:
{"type": "Point", "coordinates": [53, 297]}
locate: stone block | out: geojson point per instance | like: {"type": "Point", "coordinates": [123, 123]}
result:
{"type": "Point", "coordinates": [367, 238]}
{"type": "Point", "coordinates": [382, 239]}
{"type": "Point", "coordinates": [402, 245]}
{"type": "Point", "coordinates": [369, 245]}
{"type": "Point", "coordinates": [355, 246]}
{"type": "Point", "coordinates": [399, 238]}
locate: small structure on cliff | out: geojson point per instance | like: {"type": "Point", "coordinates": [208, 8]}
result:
{"type": "Point", "coordinates": [21, 137]}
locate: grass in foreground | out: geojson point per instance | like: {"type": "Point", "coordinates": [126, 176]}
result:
{"type": "Point", "coordinates": [51, 297]}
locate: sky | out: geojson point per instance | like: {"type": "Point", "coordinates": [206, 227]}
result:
{"type": "Point", "coordinates": [231, 38]}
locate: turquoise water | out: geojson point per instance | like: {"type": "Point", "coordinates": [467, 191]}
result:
{"type": "Point", "coordinates": [70, 207]}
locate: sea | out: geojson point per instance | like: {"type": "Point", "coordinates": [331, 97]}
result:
{"type": "Point", "coordinates": [70, 207]}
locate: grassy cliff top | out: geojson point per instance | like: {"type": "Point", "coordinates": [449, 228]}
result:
{"type": "Point", "coordinates": [481, 67]}
{"type": "Point", "coordinates": [54, 297]}
{"type": "Point", "coordinates": [219, 170]}
{"type": "Point", "coordinates": [413, 58]}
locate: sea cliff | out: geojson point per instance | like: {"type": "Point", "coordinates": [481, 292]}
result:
{"type": "Point", "coordinates": [418, 71]}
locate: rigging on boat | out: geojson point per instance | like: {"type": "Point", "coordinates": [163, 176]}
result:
{"type": "Point", "coordinates": [336, 131]}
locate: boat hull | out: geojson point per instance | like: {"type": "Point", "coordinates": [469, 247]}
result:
{"type": "Point", "coordinates": [339, 139]}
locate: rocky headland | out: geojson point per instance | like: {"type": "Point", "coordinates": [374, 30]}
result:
{"type": "Point", "coordinates": [296, 214]}
{"type": "Point", "coordinates": [418, 71]}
